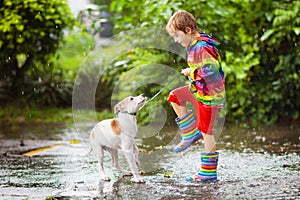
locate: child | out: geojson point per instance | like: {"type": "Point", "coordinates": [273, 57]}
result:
{"type": "Point", "coordinates": [206, 91]}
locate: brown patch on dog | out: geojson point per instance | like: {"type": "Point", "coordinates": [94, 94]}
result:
{"type": "Point", "coordinates": [115, 126]}
{"type": "Point", "coordinates": [93, 135]}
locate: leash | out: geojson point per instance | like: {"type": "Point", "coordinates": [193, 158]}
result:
{"type": "Point", "coordinates": [160, 91]}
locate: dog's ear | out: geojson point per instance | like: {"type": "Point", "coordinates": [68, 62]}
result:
{"type": "Point", "coordinates": [117, 107]}
{"type": "Point", "coordinates": [121, 106]}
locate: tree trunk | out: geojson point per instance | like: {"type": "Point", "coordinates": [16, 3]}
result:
{"type": "Point", "coordinates": [20, 72]}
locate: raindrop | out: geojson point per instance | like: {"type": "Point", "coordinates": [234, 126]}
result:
{"type": "Point", "coordinates": [40, 80]}
{"type": "Point", "coordinates": [228, 144]}
{"type": "Point", "coordinates": [253, 132]}
{"type": "Point", "coordinates": [262, 138]}
{"type": "Point", "coordinates": [22, 92]}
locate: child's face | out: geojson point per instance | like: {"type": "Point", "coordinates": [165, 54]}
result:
{"type": "Point", "coordinates": [184, 39]}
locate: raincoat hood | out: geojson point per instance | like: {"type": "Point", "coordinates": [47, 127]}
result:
{"type": "Point", "coordinates": [207, 38]}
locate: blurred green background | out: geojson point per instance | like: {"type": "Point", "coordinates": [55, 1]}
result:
{"type": "Point", "coordinates": [43, 45]}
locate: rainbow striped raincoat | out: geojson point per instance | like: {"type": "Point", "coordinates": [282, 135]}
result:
{"type": "Point", "coordinates": [206, 76]}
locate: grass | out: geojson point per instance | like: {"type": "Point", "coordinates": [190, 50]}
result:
{"type": "Point", "coordinates": [14, 115]}
{"type": "Point", "coordinates": [41, 115]}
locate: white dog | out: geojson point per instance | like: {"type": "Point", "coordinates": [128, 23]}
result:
{"type": "Point", "coordinates": [119, 133]}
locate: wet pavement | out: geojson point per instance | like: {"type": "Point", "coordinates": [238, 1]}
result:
{"type": "Point", "coordinates": [253, 164]}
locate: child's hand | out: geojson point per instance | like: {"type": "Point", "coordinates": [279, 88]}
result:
{"type": "Point", "coordinates": [186, 71]}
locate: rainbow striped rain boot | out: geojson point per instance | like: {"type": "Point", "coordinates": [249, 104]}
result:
{"type": "Point", "coordinates": [208, 170]}
{"type": "Point", "coordinates": [189, 131]}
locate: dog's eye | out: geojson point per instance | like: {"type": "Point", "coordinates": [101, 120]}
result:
{"type": "Point", "coordinates": [131, 98]}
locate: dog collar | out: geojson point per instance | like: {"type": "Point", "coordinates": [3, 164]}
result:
{"type": "Point", "coordinates": [125, 112]}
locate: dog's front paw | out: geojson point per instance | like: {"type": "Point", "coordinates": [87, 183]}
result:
{"type": "Point", "coordinates": [140, 180]}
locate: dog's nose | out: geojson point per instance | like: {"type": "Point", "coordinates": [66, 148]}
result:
{"type": "Point", "coordinates": [143, 95]}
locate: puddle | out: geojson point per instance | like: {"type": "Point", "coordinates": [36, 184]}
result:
{"type": "Point", "coordinates": [253, 164]}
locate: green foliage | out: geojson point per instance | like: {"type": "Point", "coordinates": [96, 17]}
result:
{"type": "Point", "coordinates": [144, 13]}
{"type": "Point", "coordinates": [72, 53]}
{"type": "Point", "coordinates": [105, 72]}
{"type": "Point", "coordinates": [103, 3]}
{"type": "Point", "coordinates": [12, 114]}
{"type": "Point", "coordinates": [52, 89]}
{"type": "Point", "coordinates": [259, 48]}
{"type": "Point", "coordinates": [53, 85]}
{"type": "Point", "coordinates": [30, 32]}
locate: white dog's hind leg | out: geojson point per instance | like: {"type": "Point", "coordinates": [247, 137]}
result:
{"type": "Point", "coordinates": [101, 169]}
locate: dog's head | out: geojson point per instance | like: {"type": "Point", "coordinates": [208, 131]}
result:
{"type": "Point", "coordinates": [130, 104]}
